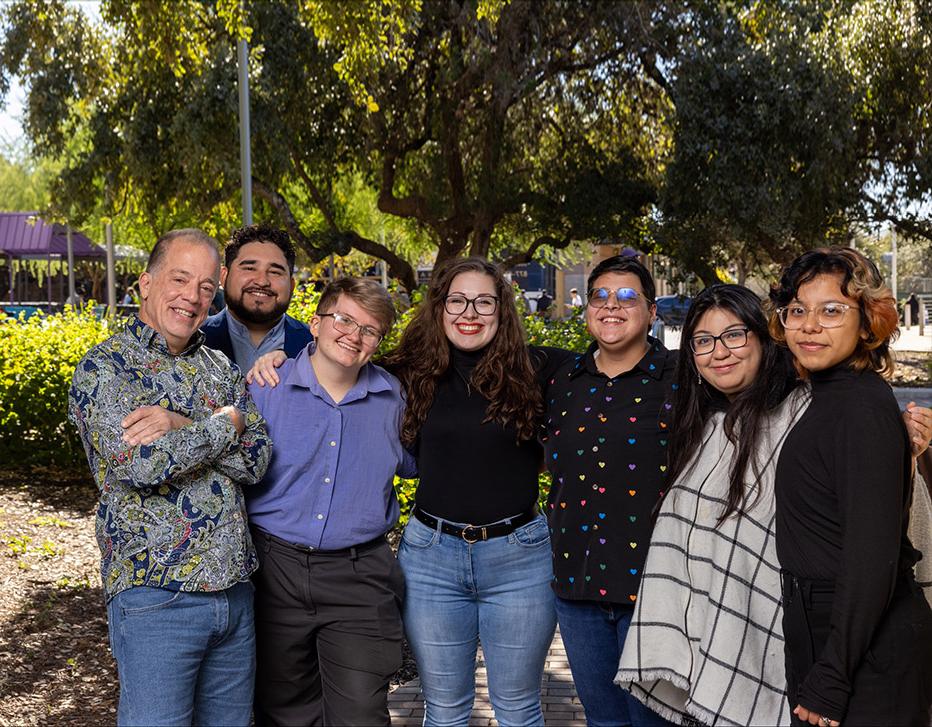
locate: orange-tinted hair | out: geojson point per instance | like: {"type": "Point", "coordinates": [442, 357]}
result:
{"type": "Point", "coordinates": [860, 281]}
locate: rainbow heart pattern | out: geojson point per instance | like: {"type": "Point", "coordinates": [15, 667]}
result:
{"type": "Point", "coordinates": [607, 449]}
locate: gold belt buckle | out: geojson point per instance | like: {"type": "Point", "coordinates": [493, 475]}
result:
{"type": "Point", "coordinates": [477, 539]}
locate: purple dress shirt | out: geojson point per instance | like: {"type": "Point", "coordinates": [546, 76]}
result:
{"type": "Point", "coordinates": [330, 481]}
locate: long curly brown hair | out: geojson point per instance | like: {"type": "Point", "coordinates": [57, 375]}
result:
{"type": "Point", "coordinates": [504, 375]}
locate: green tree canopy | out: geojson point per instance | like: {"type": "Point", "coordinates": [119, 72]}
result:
{"type": "Point", "coordinates": [490, 128]}
{"type": "Point", "coordinates": [740, 130]}
{"type": "Point", "coordinates": [795, 125]}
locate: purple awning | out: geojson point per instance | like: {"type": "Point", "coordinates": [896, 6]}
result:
{"type": "Point", "coordinates": [25, 234]}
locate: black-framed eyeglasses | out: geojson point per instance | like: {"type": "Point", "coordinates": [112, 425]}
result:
{"type": "Point", "coordinates": [624, 297]}
{"type": "Point", "coordinates": [732, 338]}
{"type": "Point", "coordinates": [828, 315]}
{"type": "Point", "coordinates": [484, 305]}
{"type": "Point", "coordinates": [346, 325]}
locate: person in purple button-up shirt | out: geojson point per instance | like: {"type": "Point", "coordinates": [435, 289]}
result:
{"type": "Point", "coordinates": [328, 589]}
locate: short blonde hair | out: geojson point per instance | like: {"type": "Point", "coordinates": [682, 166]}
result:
{"type": "Point", "coordinates": [370, 295]}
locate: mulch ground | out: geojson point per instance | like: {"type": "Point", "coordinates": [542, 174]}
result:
{"type": "Point", "coordinates": [913, 369]}
{"type": "Point", "coordinates": [55, 663]}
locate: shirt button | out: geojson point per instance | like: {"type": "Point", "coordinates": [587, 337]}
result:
{"type": "Point", "coordinates": [609, 383]}
{"type": "Point", "coordinates": [333, 444]}
{"type": "Point", "coordinates": [327, 480]}
{"type": "Point", "coordinates": [319, 516]}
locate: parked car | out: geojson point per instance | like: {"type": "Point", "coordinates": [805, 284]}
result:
{"type": "Point", "coordinates": [671, 309]}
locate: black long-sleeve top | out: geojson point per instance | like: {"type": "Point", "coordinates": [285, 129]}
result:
{"type": "Point", "coordinates": [843, 494]}
{"type": "Point", "coordinates": [470, 471]}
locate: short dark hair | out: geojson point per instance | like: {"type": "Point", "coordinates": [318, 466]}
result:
{"type": "Point", "coordinates": [259, 233]}
{"type": "Point", "coordinates": [370, 296]}
{"type": "Point", "coordinates": [188, 233]}
{"type": "Point", "coordinates": [624, 264]}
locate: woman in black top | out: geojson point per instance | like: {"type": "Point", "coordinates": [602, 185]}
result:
{"type": "Point", "coordinates": [858, 630]}
{"type": "Point", "coordinates": [476, 552]}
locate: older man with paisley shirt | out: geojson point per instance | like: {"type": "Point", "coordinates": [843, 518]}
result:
{"type": "Point", "coordinates": [171, 436]}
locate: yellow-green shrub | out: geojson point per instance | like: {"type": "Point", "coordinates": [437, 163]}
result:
{"type": "Point", "coordinates": [303, 304]}
{"type": "Point", "coordinates": [37, 360]}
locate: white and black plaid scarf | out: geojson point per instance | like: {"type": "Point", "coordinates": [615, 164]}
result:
{"type": "Point", "coordinates": [920, 534]}
{"type": "Point", "coordinates": [706, 639]}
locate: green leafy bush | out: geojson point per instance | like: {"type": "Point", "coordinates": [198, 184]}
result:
{"type": "Point", "coordinates": [303, 304]}
{"type": "Point", "coordinates": [37, 359]}
{"type": "Point", "coordinates": [404, 490]}
{"type": "Point", "coordinates": [570, 334]}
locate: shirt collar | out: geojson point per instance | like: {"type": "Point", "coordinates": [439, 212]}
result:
{"type": "Point", "coordinates": [239, 329]}
{"type": "Point", "coordinates": [372, 379]}
{"type": "Point", "coordinates": [651, 363]}
{"type": "Point", "coordinates": [148, 337]}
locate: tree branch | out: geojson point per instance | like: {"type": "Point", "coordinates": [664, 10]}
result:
{"type": "Point", "coordinates": [398, 268]}
{"type": "Point", "coordinates": [280, 204]}
{"type": "Point", "coordinates": [648, 59]}
{"type": "Point", "coordinates": [913, 227]}
{"type": "Point", "coordinates": [325, 208]}
{"type": "Point", "coordinates": [413, 206]}
{"type": "Point", "coordinates": [528, 255]}
{"type": "Point", "coordinates": [341, 242]}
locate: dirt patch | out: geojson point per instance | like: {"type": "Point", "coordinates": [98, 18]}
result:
{"type": "Point", "coordinates": [55, 662]}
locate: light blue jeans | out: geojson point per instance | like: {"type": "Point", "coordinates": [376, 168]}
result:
{"type": "Point", "coordinates": [184, 658]}
{"type": "Point", "coordinates": [495, 591]}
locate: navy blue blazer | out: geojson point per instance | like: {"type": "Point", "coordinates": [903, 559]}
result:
{"type": "Point", "coordinates": [217, 332]}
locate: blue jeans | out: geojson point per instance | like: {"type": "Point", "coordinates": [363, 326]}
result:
{"type": "Point", "coordinates": [594, 636]}
{"type": "Point", "coordinates": [495, 591]}
{"type": "Point", "coordinates": [184, 658]}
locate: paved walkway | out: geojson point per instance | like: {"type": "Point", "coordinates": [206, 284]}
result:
{"type": "Point", "coordinates": [911, 340]}
{"type": "Point", "coordinates": [560, 703]}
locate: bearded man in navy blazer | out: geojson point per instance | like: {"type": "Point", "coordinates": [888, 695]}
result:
{"type": "Point", "coordinates": [258, 281]}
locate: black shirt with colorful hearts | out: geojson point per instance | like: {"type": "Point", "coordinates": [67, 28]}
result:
{"type": "Point", "coordinates": [606, 446]}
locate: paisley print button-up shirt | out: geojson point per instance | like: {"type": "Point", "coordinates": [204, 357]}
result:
{"type": "Point", "coordinates": [171, 514]}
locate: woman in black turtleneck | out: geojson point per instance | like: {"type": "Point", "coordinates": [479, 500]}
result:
{"type": "Point", "coordinates": [475, 553]}
{"type": "Point", "coordinates": [858, 630]}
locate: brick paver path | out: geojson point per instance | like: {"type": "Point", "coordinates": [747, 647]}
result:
{"type": "Point", "coordinates": [560, 703]}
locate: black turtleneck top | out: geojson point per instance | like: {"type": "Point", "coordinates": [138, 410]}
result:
{"type": "Point", "coordinates": [470, 471]}
{"type": "Point", "coordinates": [843, 496]}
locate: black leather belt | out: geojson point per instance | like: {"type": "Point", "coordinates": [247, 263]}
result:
{"type": "Point", "coordinates": [475, 533]}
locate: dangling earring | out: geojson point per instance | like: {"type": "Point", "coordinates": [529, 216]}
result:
{"type": "Point", "coordinates": [699, 378]}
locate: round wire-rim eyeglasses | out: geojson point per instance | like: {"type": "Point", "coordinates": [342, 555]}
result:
{"type": "Point", "coordinates": [828, 315]}
{"type": "Point", "coordinates": [624, 297]}
{"type": "Point", "coordinates": [346, 325]}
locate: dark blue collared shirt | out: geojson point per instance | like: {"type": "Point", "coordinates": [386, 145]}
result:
{"type": "Point", "coordinates": [330, 482]}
